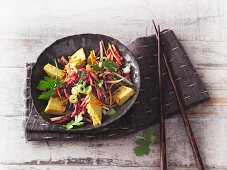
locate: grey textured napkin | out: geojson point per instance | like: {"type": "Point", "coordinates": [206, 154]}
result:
{"type": "Point", "coordinates": [145, 111]}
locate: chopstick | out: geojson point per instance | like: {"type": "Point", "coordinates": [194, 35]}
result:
{"type": "Point", "coordinates": [161, 99]}
{"type": "Point", "coordinates": [188, 128]}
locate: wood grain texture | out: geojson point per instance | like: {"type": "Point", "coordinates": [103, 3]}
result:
{"type": "Point", "coordinates": [67, 167]}
{"type": "Point", "coordinates": [27, 27]}
{"type": "Point", "coordinates": [116, 152]}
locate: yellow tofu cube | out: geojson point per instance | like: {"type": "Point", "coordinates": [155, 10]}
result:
{"type": "Point", "coordinates": [78, 59]}
{"type": "Point", "coordinates": [95, 111]}
{"type": "Point", "coordinates": [122, 94]}
{"type": "Point", "coordinates": [55, 106]}
{"type": "Point", "coordinates": [53, 71]}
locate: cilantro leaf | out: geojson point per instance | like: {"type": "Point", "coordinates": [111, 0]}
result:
{"type": "Point", "coordinates": [143, 144]}
{"type": "Point", "coordinates": [46, 83]}
{"type": "Point", "coordinates": [149, 136]}
{"type": "Point", "coordinates": [69, 125]}
{"type": "Point", "coordinates": [46, 95]}
{"type": "Point", "coordinates": [97, 68]}
{"type": "Point", "coordinates": [78, 123]}
{"type": "Point", "coordinates": [142, 150]}
{"type": "Point", "coordinates": [141, 141]}
{"type": "Point", "coordinates": [75, 122]}
{"type": "Point", "coordinates": [110, 65]}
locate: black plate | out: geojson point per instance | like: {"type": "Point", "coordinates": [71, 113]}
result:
{"type": "Point", "coordinates": [66, 47]}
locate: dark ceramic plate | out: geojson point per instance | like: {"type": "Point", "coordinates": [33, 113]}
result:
{"type": "Point", "coordinates": [67, 46]}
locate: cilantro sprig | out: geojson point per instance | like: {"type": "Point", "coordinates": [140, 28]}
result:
{"type": "Point", "coordinates": [110, 65]}
{"type": "Point", "coordinates": [143, 144]}
{"type": "Point", "coordinates": [48, 86]}
{"type": "Point", "coordinates": [97, 68]}
{"type": "Point", "coordinates": [46, 83]}
{"type": "Point", "coordinates": [75, 122]}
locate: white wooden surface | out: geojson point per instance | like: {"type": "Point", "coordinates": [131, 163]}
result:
{"type": "Point", "coordinates": [27, 27]}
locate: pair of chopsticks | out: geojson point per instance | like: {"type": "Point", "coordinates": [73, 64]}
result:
{"type": "Point", "coordinates": [163, 163]}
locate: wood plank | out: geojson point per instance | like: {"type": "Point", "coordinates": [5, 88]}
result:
{"type": "Point", "coordinates": [116, 152]}
{"type": "Point", "coordinates": [12, 88]}
{"type": "Point", "coordinates": [204, 55]}
{"type": "Point", "coordinates": [187, 20]}
{"type": "Point", "coordinates": [67, 167]}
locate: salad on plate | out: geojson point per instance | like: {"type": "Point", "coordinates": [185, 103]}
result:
{"type": "Point", "coordinates": [86, 89]}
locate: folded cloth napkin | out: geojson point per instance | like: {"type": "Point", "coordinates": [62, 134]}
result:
{"type": "Point", "coordinates": [145, 111]}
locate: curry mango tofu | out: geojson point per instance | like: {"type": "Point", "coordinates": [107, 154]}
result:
{"type": "Point", "coordinates": [77, 60]}
{"type": "Point", "coordinates": [53, 71]}
{"type": "Point", "coordinates": [122, 94]}
{"type": "Point", "coordinates": [95, 111]}
{"type": "Point", "coordinates": [55, 106]}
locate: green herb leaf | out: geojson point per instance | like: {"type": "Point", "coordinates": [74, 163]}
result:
{"type": "Point", "coordinates": [78, 123]}
{"type": "Point", "coordinates": [142, 150]}
{"type": "Point", "coordinates": [141, 141]}
{"type": "Point", "coordinates": [75, 122]}
{"type": "Point", "coordinates": [97, 68]}
{"type": "Point", "coordinates": [81, 73]}
{"type": "Point", "coordinates": [46, 95]}
{"type": "Point", "coordinates": [50, 84]}
{"type": "Point", "coordinates": [149, 136]}
{"type": "Point", "coordinates": [46, 83]}
{"type": "Point", "coordinates": [110, 65]}
{"type": "Point", "coordinates": [143, 144]}
{"type": "Point", "coordinates": [69, 125]}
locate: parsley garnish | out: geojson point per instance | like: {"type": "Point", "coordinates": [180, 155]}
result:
{"type": "Point", "coordinates": [143, 144]}
{"type": "Point", "coordinates": [50, 84]}
{"type": "Point", "coordinates": [97, 68]}
{"type": "Point", "coordinates": [46, 95]}
{"type": "Point", "coordinates": [75, 122]}
{"type": "Point", "coordinates": [46, 83]}
{"type": "Point", "coordinates": [110, 65]}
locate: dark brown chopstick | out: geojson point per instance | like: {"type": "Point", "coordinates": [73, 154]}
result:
{"type": "Point", "coordinates": [161, 99]}
{"type": "Point", "coordinates": [182, 109]}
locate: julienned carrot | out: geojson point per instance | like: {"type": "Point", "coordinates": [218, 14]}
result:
{"type": "Point", "coordinates": [98, 102]}
{"type": "Point", "coordinates": [75, 110]}
{"type": "Point", "coordinates": [69, 75]}
{"type": "Point", "coordinates": [58, 92]}
{"type": "Point", "coordinates": [65, 100]}
{"type": "Point", "coordinates": [93, 57]}
{"type": "Point", "coordinates": [85, 99]}
{"type": "Point", "coordinates": [117, 59]}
